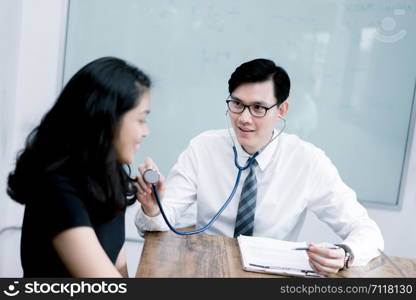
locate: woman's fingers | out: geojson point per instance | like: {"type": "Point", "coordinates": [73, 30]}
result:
{"type": "Point", "coordinates": [143, 187]}
{"type": "Point", "coordinates": [142, 196]}
{"type": "Point", "coordinates": [148, 164]}
{"type": "Point", "coordinates": [145, 193]}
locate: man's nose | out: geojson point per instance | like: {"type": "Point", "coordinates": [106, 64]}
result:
{"type": "Point", "coordinates": [245, 116]}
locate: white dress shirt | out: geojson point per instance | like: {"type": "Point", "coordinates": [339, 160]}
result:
{"type": "Point", "coordinates": [293, 176]}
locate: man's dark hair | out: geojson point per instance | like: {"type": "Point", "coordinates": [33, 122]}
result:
{"type": "Point", "coordinates": [78, 132]}
{"type": "Point", "coordinates": [259, 70]}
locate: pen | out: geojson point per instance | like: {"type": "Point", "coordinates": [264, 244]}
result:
{"type": "Point", "coordinates": [306, 248]}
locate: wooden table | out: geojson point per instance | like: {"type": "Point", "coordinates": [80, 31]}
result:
{"type": "Point", "coordinates": [166, 254]}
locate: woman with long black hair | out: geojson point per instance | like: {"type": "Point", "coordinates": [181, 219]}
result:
{"type": "Point", "coordinates": [72, 175]}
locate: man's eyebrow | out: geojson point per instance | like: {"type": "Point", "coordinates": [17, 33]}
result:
{"type": "Point", "coordinates": [261, 103]}
{"type": "Point", "coordinates": [146, 112]}
{"type": "Point", "coordinates": [258, 102]}
{"type": "Point", "coordinates": [235, 98]}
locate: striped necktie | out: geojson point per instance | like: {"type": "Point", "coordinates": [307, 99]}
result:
{"type": "Point", "coordinates": [244, 223]}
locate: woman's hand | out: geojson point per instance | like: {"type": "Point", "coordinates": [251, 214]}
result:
{"type": "Point", "coordinates": [145, 193]}
{"type": "Point", "coordinates": [325, 261]}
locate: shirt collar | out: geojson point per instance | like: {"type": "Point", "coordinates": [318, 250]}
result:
{"type": "Point", "coordinates": [264, 158]}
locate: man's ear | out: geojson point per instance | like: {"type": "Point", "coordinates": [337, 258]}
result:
{"type": "Point", "coordinates": [283, 108]}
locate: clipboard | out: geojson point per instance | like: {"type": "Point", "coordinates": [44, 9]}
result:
{"type": "Point", "coordinates": [267, 255]}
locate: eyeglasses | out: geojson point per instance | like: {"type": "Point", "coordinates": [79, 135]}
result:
{"type": "Point", "coordinates": [255, 110]}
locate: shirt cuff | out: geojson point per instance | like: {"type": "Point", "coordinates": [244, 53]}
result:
{"type": "Point", "coordinates": [145, 223]}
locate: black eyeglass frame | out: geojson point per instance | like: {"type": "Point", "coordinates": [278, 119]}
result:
{"type": "Point", "coordinates": [266, 109]}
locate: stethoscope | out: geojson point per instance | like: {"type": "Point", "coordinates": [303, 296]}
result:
{"type": "Point", "coordinates": [152, 177]}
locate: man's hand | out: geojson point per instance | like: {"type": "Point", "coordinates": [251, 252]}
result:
{"type": "Point", "coordinates": [325, 261]}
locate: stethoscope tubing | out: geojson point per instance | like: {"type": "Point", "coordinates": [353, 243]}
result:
{"type": "Point", "coordinates": [224, 206]}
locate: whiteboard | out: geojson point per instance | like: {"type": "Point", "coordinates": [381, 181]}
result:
{"type": "Point", "coordinates": [352, 65]}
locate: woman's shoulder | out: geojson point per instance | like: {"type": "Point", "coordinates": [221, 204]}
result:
{"type": "Point", "coordinates": [55, 188]}
{"type": "Point", "coordinates": [60, 196]}
{"type": "Point", "coordinates": [64, 179]}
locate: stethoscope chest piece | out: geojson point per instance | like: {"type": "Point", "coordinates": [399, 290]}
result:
{"type": "Point", "coordinates": [151, 176]}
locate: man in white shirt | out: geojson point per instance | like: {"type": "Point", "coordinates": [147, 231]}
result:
{"type": "Point", "coordinates": [291, 176]}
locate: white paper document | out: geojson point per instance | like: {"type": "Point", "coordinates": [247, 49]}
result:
{"type": "Point", "coordinates": [267, 255]}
